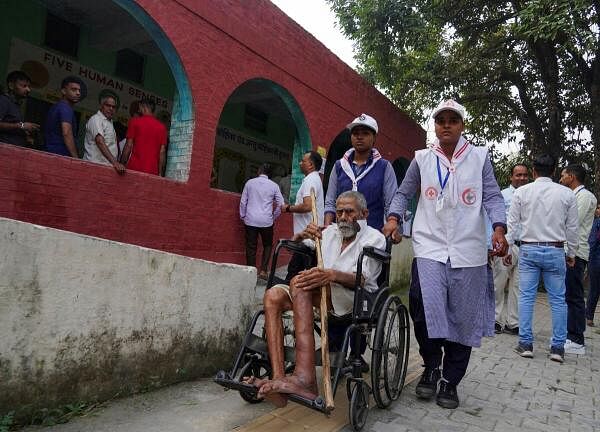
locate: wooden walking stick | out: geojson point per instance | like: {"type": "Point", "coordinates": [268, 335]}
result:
{"type": "Point", "coordinates": [323, 309]}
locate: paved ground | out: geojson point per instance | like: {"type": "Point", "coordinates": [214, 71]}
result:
{"type": "Point", "coordinates": [501, 392]}
{"type": "Point", "coordinates": [505, 392]}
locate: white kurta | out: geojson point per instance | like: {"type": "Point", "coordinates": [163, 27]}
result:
{"type": "Point", "coordinates": [345, 261]}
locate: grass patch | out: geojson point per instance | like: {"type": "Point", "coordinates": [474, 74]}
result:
{"type": "Point", "coordinates": [400, 288]}
{"type": "Point", "coordinates": [6, 421]}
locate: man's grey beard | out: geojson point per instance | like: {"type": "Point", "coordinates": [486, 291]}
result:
{"type": "Point", "coordinates": [348, 229]}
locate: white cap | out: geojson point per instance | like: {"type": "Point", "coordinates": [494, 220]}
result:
{"type": "Point", "coordinates": [450, 105]}
{"type": "Point", "coordinates": [364, 120]}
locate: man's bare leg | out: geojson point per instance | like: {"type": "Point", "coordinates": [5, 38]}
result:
{"type": "Point", "coordinates": [303, 381]}
{"type": "Point", "coordinates": [275, 302]}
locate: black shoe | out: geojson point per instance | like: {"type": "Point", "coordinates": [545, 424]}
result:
{"type": "Point", "coordinates": [513, 331]}
{"type": "Point", "coordinates": [557, 354]}
{"type": "Point", "coordinates": [524, 350]}
{"type": "Point", "coordinates": [497, 328]}
{"type": "Point", "coordinates": [447, 396]}
{"type": "Point", "coordinates": [428, 383]}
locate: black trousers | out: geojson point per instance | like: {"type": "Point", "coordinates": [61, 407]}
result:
{"type": "Point", "coordinates": [266, 236]}
{"type": "Point", "coordinates": [299, 262]}
{"type": "Point", "coordinates": [455, 356]}
{"type": "Point", "coordinates": [575, 301]}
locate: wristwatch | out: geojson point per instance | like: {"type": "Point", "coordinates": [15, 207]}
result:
{"type": "Point", "coordinates": [22, 125]}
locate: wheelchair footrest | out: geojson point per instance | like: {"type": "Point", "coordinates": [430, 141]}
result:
{"type": "Point", "coordinates": [317, 404]}
{"type": "Point", "coordinates": [223, 379]}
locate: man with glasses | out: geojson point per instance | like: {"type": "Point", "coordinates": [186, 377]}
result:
{"type": "Point", "coordinates": [100, 136]}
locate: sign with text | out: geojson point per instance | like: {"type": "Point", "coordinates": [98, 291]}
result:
{"type": "Point", "coordinates": [47, 69]}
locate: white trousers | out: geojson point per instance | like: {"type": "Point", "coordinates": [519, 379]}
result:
{"type": "Point", "coordinates": [506, 289]}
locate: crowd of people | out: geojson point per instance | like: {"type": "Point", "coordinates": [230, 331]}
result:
{"type": "Point", "coordinates": [143, 148]}
{"type": "Point", "coordinates": [480, 252]}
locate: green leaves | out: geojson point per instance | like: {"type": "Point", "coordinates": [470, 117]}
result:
{"type": "Point", "coordinates": [525, 70]}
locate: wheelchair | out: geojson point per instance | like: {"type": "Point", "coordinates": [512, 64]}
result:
{"type": "Point", "coordinates": [380, 317]}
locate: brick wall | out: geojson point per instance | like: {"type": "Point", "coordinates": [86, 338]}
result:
{"type": "Point", "coordinates": [221, 43]}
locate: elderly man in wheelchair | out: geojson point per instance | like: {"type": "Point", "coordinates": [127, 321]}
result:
{"type": "Point", "coordinates": [356, 261]}
{"type": "Point", "coordinates": [342, 244]}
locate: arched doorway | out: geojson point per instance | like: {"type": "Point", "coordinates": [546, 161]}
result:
{"type": "Point", "coordinates": [261, 122]}
{"type": "Point", "coordinates": [113, 47]}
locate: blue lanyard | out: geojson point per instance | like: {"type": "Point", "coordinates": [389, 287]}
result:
{"type": "Point", "coordinates": [439, 171]}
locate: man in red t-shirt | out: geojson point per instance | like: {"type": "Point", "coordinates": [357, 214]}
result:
{"type": "Point", "coordinates": [145, 149]}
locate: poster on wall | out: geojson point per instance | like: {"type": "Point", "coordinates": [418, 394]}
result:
{"type": "Point", "coordinates": [47, 69]}
{"type": "Point", "coordinates": [238, 156]}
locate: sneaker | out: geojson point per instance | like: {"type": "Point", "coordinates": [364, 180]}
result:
{"type": "Point", "coordinates": [497, 328]}
{"type": "Point", "coordinates": [557, 354]}
{"type": "Point", "coordinates": [427, 385]}
{"type": "Point", "coordinates": [513, 331]}
{"type": "Point", "coordinates": [524, 350]}
{"type": "Point", "coordinates": [447, 397]}
{"type": "Point", "coordinates": [574, 348]}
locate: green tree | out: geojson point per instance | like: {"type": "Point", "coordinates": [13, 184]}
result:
{"type": "Point", "coordinates": [520, 67]}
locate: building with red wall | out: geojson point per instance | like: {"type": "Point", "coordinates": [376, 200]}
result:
{"type": "Point", "coordinates": [213, 47]}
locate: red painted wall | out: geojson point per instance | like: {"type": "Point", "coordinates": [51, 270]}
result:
{"type": "Point", "coordinates": [221, 44]}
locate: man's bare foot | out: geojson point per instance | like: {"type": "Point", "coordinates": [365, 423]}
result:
{"type": "Point", "coordinates": [265, 391]}
{"type": "Point", "coordinates": [290, 385]}
{"type": "Point", "coordinates": [256, 382]}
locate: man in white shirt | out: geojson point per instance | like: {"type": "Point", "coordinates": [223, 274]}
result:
{"type": "Point", "coordinates": [505, 269]}
{"type": "Point", "coordinates": [547, 213]}
{"type": "Point", "coordinates": [342, 243]}
{"type": "Point", "coordinates": [310, 164]}
{"type": "Point", "coordinates": [101, 138]}
{"type": "Point", "coordinates": [573, 177]}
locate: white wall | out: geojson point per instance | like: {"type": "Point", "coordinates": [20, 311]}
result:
{"type": "Point", "coordinates": [83, 318]}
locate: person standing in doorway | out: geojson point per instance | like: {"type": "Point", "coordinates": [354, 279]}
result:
{"type": "Point", "coordinates": [506, 269]}
{"type": "Point", "coordinates": [13, 130]}
{"type": "Point", "coordinates": [101, 138]}
{"type": "Point", "coordinates": [60, 129]}
{"type": "Point", "coordinates": [145, 149]}
{"type": "Point", "coordinates": [363, 169]}
{"type": "Point", "coordinates": [260, 205]}
{"type": "Point", "coordinates": [573, 177]}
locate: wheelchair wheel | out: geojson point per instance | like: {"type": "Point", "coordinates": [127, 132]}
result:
{"type": "Point", "coordinates": [396, 346]}
{"type": "Point", "coordinates": [259, 369]}
{"type": "Point", "coordinates": [390, 352]}
{"type": "Point", "coordinates": [359, 406]}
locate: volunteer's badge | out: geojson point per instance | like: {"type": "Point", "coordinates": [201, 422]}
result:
{"type": "Point", "coordinates": [430, 193]}
{"type": "Point", "coordinates": [469, 196]}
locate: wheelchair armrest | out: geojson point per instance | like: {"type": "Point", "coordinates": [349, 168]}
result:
{"type": "Point", "coordinates": [298, 247]}
{"type": "Point", "coordinates": [378, 254]}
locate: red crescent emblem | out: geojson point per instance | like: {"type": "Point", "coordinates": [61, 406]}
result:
{"type": "Point", "coordinates": [469, 196]}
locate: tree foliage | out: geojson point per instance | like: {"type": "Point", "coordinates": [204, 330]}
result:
{"type": "Point", "coordinates": [526, 70]}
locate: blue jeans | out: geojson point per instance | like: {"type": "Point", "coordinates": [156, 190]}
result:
{"type": "Point", "coordinates": [549, 262]}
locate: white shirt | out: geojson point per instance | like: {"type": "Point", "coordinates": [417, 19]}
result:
{"type": "Point", "coordinates": [546, 211]}
{"type": "Point", "coordinates": [98, 124]}
{"type": "Point", "coordinates": [301, 220]}
{"type": "Point", "coordinates": [345, 261]}
{"type": "Point", "coordinates": [507, 194]}
{"type": "Point", "coordinates": [586, 206]}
